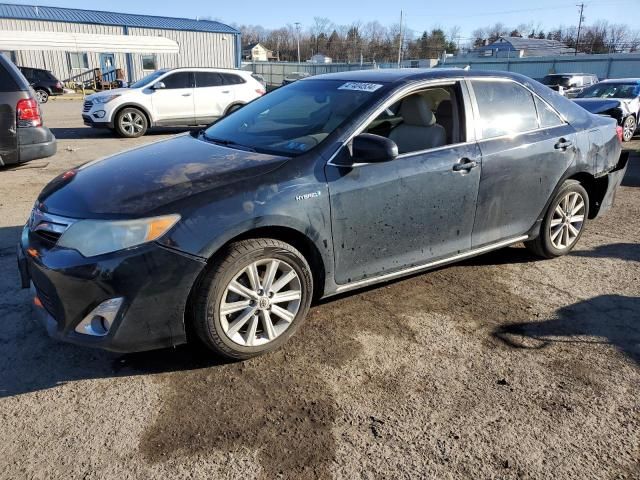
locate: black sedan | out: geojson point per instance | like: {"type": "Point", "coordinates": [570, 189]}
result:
{"type": "Point", "coordinates": [330, 184]}
{"type": "Point", "coordinates": [619, 99]}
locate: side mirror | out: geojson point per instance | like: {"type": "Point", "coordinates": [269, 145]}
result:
{"type": "Point", "coordinates": [159, 86]}
{"type": "Point", "coordinates": [370, 148]}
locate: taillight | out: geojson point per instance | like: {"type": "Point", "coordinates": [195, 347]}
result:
{"type": "Point", "coordinates": [619, 133]}
{"type": "Point", "coordinates": [58, 85]}
{"type": "Point", "coordinates": [260, 91]}
{"type": "Point", "coordinates": [28, 113]}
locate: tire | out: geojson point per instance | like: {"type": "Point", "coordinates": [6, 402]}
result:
{"type": "Point", "coordinates": [254, 324]}
{"type": "Point", "coordinates": [557, 234]}
{"type": "Point", "coordinates": [42, 96]}
{"type": "Point", "coordinates": [131, 123]}
{"type": "Point", "coordinates": [233, 108]}
{"type": "Point", "coordinates": [629, 127]}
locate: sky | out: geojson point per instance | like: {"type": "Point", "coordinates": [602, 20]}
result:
{"type": "Point", "coordinates": [419, 14]}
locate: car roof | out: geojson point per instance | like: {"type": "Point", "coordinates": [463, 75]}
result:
{"type": "Point", "coordinates": [205, 69]}
{"type": "Point", "coordinates": [403, 75]}
{"type": "Point", "coordinates": [622, 80]}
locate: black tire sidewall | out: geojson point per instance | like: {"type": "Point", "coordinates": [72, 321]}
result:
{"type": "Point", "coordinates": [121, 131]}
{"type": "Point", "coordinates": [219, 283]}
{"type": "Point", "coordinates": [547, 245]}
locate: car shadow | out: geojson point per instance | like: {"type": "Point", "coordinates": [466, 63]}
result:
{"type": "Point", "coordinates": [609, 319]}
{"type": "Point", "coordinates": [622, 251]}
{"type": "Point", "coordinates": [632, 176]}
{"type": "Point", "coordinates": [88, 133]}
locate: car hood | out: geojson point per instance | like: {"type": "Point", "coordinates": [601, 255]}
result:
{"type": "Point", "coordinates": [146, 179]}
{"type": "Point", "coordinates": [108, 93]}
{"type": "Point", "coordinates": [598, 105]}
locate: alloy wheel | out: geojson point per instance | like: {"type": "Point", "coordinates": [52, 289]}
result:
{"type": "Point", "coordinates": [567, 220]}
{"type": "Point", "coordinates": [42, 96]}
{"type": "Point", "coordinates": [132, 123]}
{"type": "Point", "coordinates": [629, 129]}
{"type": "Point", "coordinates": [260, 302]}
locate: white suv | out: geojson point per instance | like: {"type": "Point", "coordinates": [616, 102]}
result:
{"type": "Point", "coordinates": [171, 97]}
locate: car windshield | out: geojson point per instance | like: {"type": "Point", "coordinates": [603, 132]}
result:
{"type": "Point", "coordinates": [293, 119]}
{"type": "Point", "coordinates": [554, 80]}
{"type": "Point", "coordinates": [611, 90]}
{"type": "Point", "coordinates": [148, 79]}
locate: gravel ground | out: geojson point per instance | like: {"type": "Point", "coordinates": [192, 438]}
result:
{"type": "Point", "coordinates": [500, 367]}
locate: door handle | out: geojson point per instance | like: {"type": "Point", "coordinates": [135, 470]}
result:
{"type": "Point", "coordinates": [563, 144]}
{"type": "Point", "coordinates": [464, 165]}
{"type": "Point", "coordinates": [186, 94]}
{"type": "Point", "coordinates": [225, 91]}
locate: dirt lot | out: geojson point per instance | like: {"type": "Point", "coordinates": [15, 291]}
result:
{"type": "Point", "coordinates": [500, 367]}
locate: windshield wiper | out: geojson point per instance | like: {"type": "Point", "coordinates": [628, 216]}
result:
{"type": "Point", "coordinates": [228, 143]}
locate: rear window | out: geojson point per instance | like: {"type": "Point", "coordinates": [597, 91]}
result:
{"type": "Point", "coordinates": [7, 84]}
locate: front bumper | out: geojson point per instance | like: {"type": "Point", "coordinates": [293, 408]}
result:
{"type": "Point", "coordinates": [155, 282]}
{"type": "Point", "coordinates": [89, 121]}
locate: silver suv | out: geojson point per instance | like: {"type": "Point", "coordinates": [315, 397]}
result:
{"type": "Point", "coordinates": [569, 84]}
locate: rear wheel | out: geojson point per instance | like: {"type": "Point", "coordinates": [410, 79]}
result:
{"type": "Point", "coordinates": [131, 123]}
{"type": "Point", "coordinates": [233, 108]}
{"type": "Point", "coordinates": [629, 128]}
{"type": "Point", "coordinates": [42, 96]}
{"type": "Point", "coordinates": [255, 296]}
{"type": "Point", "coordinates": [563, 223]}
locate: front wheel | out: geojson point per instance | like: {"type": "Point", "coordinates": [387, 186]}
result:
{"type": "Point", "coordinates": [42, 96]}
{"type": "Point", "coordinates": [629, 128]}
{"type": "Point", "coordinates": [131, 123]}
{"type": "Point", "coordinates": [563, 223]}
{"type": "Point", "coordinates": [255, 296]}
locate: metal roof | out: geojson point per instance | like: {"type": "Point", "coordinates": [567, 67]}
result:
{"type": "Point", "coordinates": [97, 17]}
{"type": "Point", "coordinates": [521, 43]}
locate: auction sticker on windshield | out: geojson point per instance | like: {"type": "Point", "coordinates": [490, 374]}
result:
{"type": "Point", "coordinates": [360, 86]}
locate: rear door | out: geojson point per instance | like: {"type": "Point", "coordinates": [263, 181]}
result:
{"type": "Point", "coordinates": [212, 96]}
{"type": "Point", "coordinates": [526, 148]}
{"type": "Point", "coordinates": [174, 104]}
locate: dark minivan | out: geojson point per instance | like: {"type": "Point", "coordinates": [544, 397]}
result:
{"type": "Point", "coordinates": [23, 137]}
{"type": "Point", "coordinates": [330, 184]}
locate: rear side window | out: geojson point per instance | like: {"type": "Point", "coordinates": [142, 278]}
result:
{"type": "Point", "coordinates": [7, 84]}
{"type": "Point", "coordinates": [505, 108]}
{"type": "Point", "coordinates": [178, 80]}
{"type": "Point", "coordinates": [231, 79]}
{"type": "Point", "coordinates": [208, 79]}
{"type": "Point", "coordinates": [548, 118]}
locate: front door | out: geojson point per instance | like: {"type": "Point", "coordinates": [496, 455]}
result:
{"type": "Point", "coordinates": [526, 148]}
{"type": "Point", "coordinates": [107, 62]}
{"type": "Point", "coordinates": [416, 208]}
{"type": "Point", "coordinates": [174, 104]}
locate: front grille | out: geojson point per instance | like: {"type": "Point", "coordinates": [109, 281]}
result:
{"type": "Point", "coordinates": [87, 106]}
{"type": "Point", "coordinates": [46, 226]}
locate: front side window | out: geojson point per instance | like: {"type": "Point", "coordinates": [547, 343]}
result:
{"type": "Point", "coordinates": [505, 108]}
{"type": "Point", "coordinates": [178, 80]}
{"type": "Point", "coordinates": [294, 119]}
{"type": "Point", "coordinates": [146, 80]}
{"type": "Point", "coordinates": [429, 118]}
{"type": "Point", "coordinates": [149, 62]}
{"type": "Point", "coordinates": [78, 60]}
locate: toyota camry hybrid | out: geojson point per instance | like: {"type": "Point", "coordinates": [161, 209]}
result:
{"type": "Point", "coordinates": [330, 184]}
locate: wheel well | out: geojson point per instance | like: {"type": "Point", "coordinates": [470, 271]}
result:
{"type": "Point", "coordinates": [596, 189]}
{"type": "Point", "coordinates": [137, 107]}
{"type": "Point", "coordinates": [234, 104]}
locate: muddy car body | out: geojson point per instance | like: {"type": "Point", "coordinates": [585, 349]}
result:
{"type": "Point", "coordinates": [327, 185]}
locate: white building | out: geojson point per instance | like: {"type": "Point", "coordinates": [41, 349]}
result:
{"type": "Point", "coordinates": [200, 43]}
{"type": "Point", "coordinates": [320, 58]}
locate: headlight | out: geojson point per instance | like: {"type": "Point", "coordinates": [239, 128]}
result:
{"type": "Point", "coordinates": [105, 98]}
{"type": "Point", "coordinates": [97, 237]}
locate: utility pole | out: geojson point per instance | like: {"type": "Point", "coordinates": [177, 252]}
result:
{"type": "Point", "coordinates": [298, 38]}
{"type": "Point", "coordinates": [579, 27]}
{"type": "Point", "coordinates": [400, 42]}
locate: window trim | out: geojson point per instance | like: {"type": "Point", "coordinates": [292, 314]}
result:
{"type": "Point", "coordinates": [403, 92]}
{"type": "Point", "coordinates": [85, 56]}
{"type": "Point", "coordinates": [478, 130]}
{"type": "Point", "coordinates": [155, 62]}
